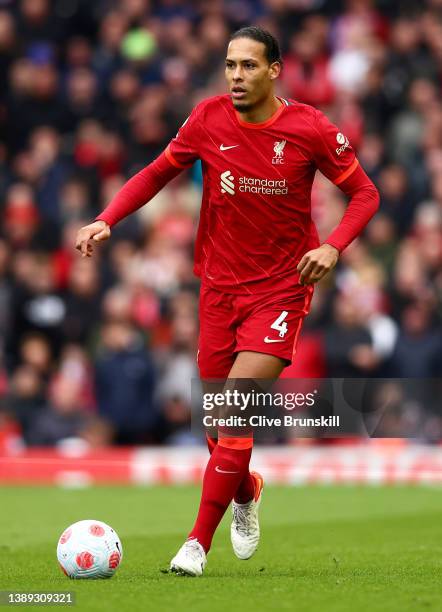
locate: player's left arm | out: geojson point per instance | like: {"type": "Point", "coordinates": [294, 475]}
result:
{"type": "Point", "coordinates": [335, 158]}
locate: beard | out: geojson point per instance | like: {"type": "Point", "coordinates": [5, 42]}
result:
{"type": "Point", "coordinates": [242, 107]}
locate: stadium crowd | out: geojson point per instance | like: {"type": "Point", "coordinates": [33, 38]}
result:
{"type": "Point", "coordinates": [90, 92]}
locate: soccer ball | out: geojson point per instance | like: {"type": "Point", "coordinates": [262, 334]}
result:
{"type": "Point", "coordinates": [89, 549]}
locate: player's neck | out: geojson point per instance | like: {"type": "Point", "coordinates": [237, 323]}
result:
{"type": "Point", "coordinates": [263, 112]}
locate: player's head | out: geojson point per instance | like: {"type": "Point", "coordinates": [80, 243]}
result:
{"type": "Point", "coordinates": [253, 62]}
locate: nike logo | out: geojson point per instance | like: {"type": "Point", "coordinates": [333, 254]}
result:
{"type": "Point", "coordinates": [268, 340]}
{"type": "Point", "coordinates": [218, 469]}
{"type": "Point", "coordinates": [223, 148]}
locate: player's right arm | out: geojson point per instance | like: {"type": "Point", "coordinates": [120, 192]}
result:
{"type": "Point", "coordinates": [336, 159]}
{"type": "Point", "coordinates": [180, 154]}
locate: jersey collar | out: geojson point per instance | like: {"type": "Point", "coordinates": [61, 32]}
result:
{"type": "Point", "coordinates": [267, 122]}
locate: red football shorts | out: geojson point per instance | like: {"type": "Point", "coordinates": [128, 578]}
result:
{"type": "Point", "coordinates": [266, 323]}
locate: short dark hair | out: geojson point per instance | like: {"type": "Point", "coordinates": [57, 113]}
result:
{"type": "Point", "coordinates": [272, 50]}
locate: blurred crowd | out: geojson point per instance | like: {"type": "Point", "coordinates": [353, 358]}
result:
{"type": "Point", "coordinates": [103, 349]}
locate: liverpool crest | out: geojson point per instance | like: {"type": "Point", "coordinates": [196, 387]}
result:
{"type": "Point", "coordinates": [278, 149]}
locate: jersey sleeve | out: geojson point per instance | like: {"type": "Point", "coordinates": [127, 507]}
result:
{"type": "Point", "coordinates": [332, 152]}
{"type": "Point", "coordinates": [183, 150]}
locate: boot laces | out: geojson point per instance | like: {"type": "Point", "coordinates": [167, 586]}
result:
{"type": "Point", "coordinates": [242, 518]}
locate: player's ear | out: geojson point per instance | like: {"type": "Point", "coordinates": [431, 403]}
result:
{"type": "Point", "coordinates": [275, 70]}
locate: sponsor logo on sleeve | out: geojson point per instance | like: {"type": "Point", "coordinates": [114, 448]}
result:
{"type": "Point", "coordinates": [343, 141]}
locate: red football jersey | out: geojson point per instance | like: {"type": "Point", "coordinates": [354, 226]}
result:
{"type": "Point", "coordinates": [255, 220]}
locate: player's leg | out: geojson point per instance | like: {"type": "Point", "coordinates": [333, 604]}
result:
{"type": "Point", "coordinates": [282, 313]}
{"type": "Point", "coordinates": [216, 355]}
{"type": "Point", "coordinates": [217, 341]}
{"type": "Point", "coordinates": [216, 346]}
{"type": "Point", "coordinates": [229, 462]}
{"type": "Point", "coordinates": [255, 365]}
{"type": "Point", "coordinates": [244, 529]}
{"type": "Point", "coordinates": [225, 471]}
{"type": "Point", "coordinates": [246, 489]}
{"type": "Point", "coordinates": [247, 486]}
{"type": "Point", "coordinates": [228, 465]}
{"type": "Point", "coordinates": [265, 367]}
{"type": "Point", "coordinates": [272, 331]}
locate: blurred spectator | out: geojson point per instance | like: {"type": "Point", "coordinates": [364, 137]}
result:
{"type": "Point", "coordinates": [355, 35]}
{"type": "Point", "coordinates": [37, 23]}
{"type": "Point", "coordinates": [64, 417]}
{"type": "Point", "coordinates": [8, 48]}
{"type": "Point", "coordinates": [382, 236]}
{"type": "Point", "coordinates": [38, 306]}
{"type": "Point", "coordinates": [48, 171]}
{"type": "Point", "coordinates": [21, 218]}
{"type": "Point", "coordinates": [35, 351]}
{"type": "Point", "coordinates": [396, 196]}
{"type": "Point", "coordinates": [27, 396]}
{"type": "Point", "coordinates": [82, 302]}
{"type": "Point", "coordinates": [407, 60]}
{"type": "Point", "coordinates": [74, 200]}
{"type": "Point", "coordinates": [82, 96]}
{"type": "Point", "coordinates": [306, 71]}
{"type": "Point", "coordinates": [125, 380]}
{"type": "Point", "coordinates": [418, 349]}
{"type": "Point", "coordinates": [76, 365]}
{"type": "Point", "coordinates": [348, 345]}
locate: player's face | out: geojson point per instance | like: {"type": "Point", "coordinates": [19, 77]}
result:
{"type": "Point", "coordinates": [249, 75]}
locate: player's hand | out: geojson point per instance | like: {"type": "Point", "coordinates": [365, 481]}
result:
{"type": "Point", "coordinates": [317, 263]}
{"type": "Point", "coordinates": [96, 231]}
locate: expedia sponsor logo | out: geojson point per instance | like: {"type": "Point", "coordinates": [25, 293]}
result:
{"type": "Point", "coordinates": [250, 184]}
{"type": "Point", "coordinates": [342, 140]}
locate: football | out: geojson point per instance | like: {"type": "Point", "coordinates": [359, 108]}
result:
{"type": "Point", "coordinates": [89, 549]}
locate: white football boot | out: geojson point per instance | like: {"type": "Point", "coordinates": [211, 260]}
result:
{"type": "Point", "coordinates": [244, 531]}
{"type": "Point", "coordinates": [190, 560]}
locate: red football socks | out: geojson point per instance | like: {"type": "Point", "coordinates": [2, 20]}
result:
{"type": "Point", "coordinates": [226, 469]}
{"type": "Point", "coordinates": [246, 489]}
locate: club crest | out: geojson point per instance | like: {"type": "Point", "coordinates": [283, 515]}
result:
{"type": "Point", "coordinates": [278, 149]}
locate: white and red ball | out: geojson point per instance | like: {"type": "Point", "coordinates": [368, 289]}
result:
{"type": "Point", "coordinates": [89, 549]}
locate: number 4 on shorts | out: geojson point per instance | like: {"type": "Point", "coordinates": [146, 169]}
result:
{"type": "Point", "coordinates": [280, 325]}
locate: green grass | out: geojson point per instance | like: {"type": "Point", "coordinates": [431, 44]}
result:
{"type": "Point", "coordinates": [323, 549]}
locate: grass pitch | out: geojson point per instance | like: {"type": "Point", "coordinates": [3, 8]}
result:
{"type": "Point", "coordinates": [322, 549]}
